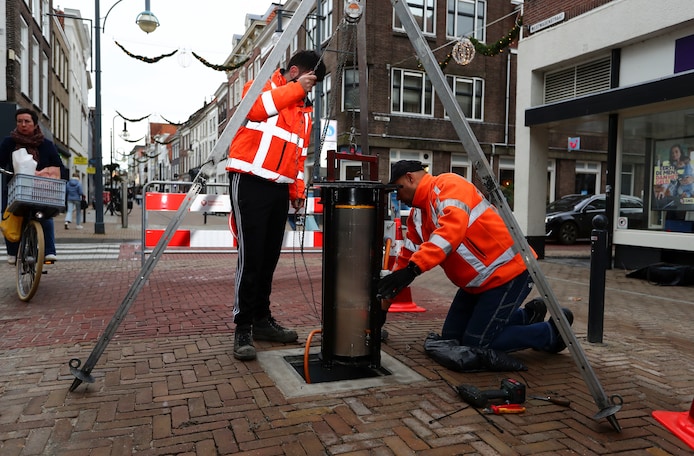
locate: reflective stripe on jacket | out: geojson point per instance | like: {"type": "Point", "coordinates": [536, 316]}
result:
{"type": "Point", "coordinates": [274, 142]}
{"type": "Point", "coordinates": [453, 225]}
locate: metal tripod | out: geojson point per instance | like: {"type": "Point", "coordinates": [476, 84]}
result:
{"type": "Point", "coordinates": [608, 406]}
{"type": "Point", "coordinates": [81, 372]}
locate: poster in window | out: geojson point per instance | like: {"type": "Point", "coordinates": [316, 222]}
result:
{"type": "Point", "coordinates": [673, 183]}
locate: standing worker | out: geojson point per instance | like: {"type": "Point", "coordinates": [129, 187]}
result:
{"type": "Point", "coordinates": [454, 226]}
{"type": "Point", "coordinates": [266, 173]}
{"type": "Point", "coordinates": [74, 192]}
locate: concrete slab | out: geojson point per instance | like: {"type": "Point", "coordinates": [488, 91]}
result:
{"type": "Point", "coordinates": [291, 384]}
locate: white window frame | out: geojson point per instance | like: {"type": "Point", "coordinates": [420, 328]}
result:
{"type": "Point", "coordinates": [44, 82]}
{"type": "Point", "coordinates": [24, 56]}
{"type": "Point", "coordinates": [479, 22]}
{"type": "Point", "coordinates": [477, 114]}
{"type": "Point", "coordinates": [352, 85]}
{"type": "Point", "coordinates": [424, 25]}
{"type": "Point", "coordinates": [590, 167]}
{"type": "Point", "coordinates": [326, 10]}
{"type": "Point", "coordinates": [35, 71]}
{"type": "Point", "coordinates": [462, 161]}
{"type": "Point", "coordinates": [426, 107]}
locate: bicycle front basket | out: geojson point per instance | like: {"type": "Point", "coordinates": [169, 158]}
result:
{"type": "Point", "coordinates": [35, 192]}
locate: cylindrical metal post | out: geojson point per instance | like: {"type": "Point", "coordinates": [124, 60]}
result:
{"type": "Point", "coordinates": [598, 265]}
{"type": "Point", "coordinates": [352, 257]}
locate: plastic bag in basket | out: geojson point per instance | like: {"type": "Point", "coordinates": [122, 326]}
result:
{"type": "Point", "coordinates": [23, 162]}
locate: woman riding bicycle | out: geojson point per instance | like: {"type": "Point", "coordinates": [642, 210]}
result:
{"type": "Point", "coordinates": [48, 164]}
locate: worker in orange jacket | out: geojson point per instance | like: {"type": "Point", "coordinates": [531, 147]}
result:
{"type": "Point", "coordinates": [266, 173]}
{"type": "Point", "coordinates": [454, 226]}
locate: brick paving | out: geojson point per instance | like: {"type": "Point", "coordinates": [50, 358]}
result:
{"type": "Point", "coordinates": [168, 384]}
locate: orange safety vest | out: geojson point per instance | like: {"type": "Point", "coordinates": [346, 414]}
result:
{"type": "Point", "coordinates": [453, 225]}
{"type": "Point", "coordinates": [273, 144]}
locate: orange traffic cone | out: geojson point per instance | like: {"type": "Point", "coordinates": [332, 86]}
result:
{"type": "Point", "coordinates": [403, 301]}
{"type": "Point", "coordinates": [679, 423]}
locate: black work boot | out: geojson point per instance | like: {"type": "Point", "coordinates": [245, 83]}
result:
{"type": "Point", "coordinates": [243, 343]}
{"type": "Point", "coordinates": [535, 311]}
{"type": "Point", "coordinates": [559, 344]}
{"type": "Point", "coordinates": [269, 329]}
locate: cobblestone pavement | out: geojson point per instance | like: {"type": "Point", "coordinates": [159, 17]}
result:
{"type": "Point", "coordinates": [167, 383]}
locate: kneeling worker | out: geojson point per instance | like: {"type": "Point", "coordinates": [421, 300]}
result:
{"type": "Point", "coordinates": [454, 226]}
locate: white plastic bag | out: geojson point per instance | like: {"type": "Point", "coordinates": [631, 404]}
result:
{"type": "Point", "coordinates": [23, 162]}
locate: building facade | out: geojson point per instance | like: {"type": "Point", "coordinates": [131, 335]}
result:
{"type": "Point", "coordinates": [26, 64]}
{"type": "Point", "coordinates": [617, 75]}
{"type": "Point", "coordinates": [404, 118]}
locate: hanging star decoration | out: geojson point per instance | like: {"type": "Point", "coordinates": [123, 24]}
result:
{"type": "Point", "coordinates": [143, 58]}
{"type": "Point", "coordinates": [219, 67]}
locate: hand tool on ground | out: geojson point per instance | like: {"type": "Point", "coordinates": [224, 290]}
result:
{"type": "Point", "coordinates": [553, 400]}
{"type": "Point", "coordinates": [511, 391]}
{"type": "Point", "coordinates": [504, 409]}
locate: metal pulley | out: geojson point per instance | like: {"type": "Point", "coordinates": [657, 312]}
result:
{"type": "Point", "coordinates": [353, 10]}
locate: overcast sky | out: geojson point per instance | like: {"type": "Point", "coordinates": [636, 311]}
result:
{"type": "Point", "coordinates": [175, 87]}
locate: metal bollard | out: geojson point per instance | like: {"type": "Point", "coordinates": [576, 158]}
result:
{"type": "Point", "coordinates": [598, 266]}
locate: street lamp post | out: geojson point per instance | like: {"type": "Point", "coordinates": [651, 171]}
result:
{"type": "Point", "coordinates": [99, 227]}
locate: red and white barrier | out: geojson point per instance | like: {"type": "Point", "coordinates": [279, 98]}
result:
{"type": "Point", "coordinates": [213, 239]}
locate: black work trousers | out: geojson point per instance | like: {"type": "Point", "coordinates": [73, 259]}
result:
{"type": "Point", "coordinates": [260, 209]}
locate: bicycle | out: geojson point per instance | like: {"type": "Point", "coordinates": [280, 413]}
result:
{"type": "Point", "coordinates": [113, 203]}
{"type": "Point", "coordinates": [34, 198]}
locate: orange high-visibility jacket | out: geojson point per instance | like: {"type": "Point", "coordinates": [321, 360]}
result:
{"type": "Point", "coordinates": [274, 142]}
{"type": "Point", "coordinates": [453, 225]}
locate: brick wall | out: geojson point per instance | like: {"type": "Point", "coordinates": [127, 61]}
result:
{"type": "Point", "coordinates": [387, 49]}
{"type": "Point", "coordinates": [538, 10]}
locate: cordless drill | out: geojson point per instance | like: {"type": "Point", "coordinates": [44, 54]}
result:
{"type": "Point", "coordinates": [510, 392]}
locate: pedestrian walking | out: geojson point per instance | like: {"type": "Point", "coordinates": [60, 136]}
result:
{"type": "Point", "coordinates": [75, 195]}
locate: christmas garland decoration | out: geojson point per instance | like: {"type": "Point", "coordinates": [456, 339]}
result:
{"type": "Point", "coordinates": [483, 49]}
{"type": "Point", "coordinates": [132, 140]}
{"type": "Point", "coordinates": [501, 43]}
{"type": "Point", "coordinates": [175, 124]}
{"type": "Point", "coordinates": [133, 120]}
{"type": "Point", "coordinates": [219, 67]}
{"type": "Point", "coordinates": [145, 59]}
{"type": "Point", "coordinates": [165, 143]}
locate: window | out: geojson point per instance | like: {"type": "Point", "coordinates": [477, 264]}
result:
{"type": "Point", "coordinates": [45, 23]}
{"type": "Point", "coordinates": [326, 10]}
{"type": "Point", "coordinates": [424, 12]}
{"type": "Point", "coordinates": [35, 71]}
{"type": "Point", "coordinates": [466, 18]}
{"type": "Point", "coordinates": [411, 92]}
{"type": "Point", "coordinates": [350, 90]}
{"type": "Point", "coordinates": [44, 81]}
{"type": "Point", "coordinates": [24, 57]}
{"type": "Point", "coordinates": [311, 29]}
{"type": "Point", "coordinates": [460, 164]}
{"type": "Point", "coordinates": [469, 93]}
{"type": "Point", "coordinates": [326, 95]}
{"type": "Point", "coordinates": [587, 178]}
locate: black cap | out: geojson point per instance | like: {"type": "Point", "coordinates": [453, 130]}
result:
{"type": "Point", "coordinates": [403, 167]}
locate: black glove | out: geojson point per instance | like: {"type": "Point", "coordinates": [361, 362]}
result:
{"type": "Point", "coordinates": [393, 283]}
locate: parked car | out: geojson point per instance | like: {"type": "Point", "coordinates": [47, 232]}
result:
{"type": "Point", "coordinates": [571, 217]}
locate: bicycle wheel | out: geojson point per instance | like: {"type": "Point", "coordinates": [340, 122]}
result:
{"type": "Point", "coordinates": [30, 258]}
